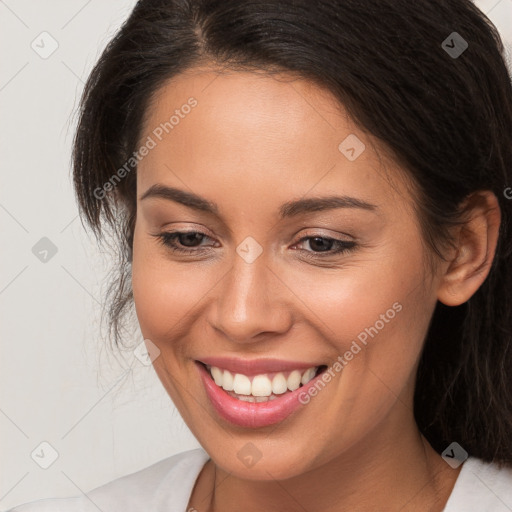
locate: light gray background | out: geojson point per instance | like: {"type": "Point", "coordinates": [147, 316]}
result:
{"type": "Point", "coordinates": [105, 416]}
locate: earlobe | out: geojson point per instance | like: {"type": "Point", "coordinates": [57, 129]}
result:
{"type": "Point", "coordinates": [476, 247]}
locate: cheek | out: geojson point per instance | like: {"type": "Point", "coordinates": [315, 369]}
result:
{"type": "Point", "coordinates": [165, 295]}
{"type": "Point", "coordinates": [374, 314]}
{"type": "Point", "coordinates": [376, 323]}
{"type": "Point", "coordinates": [362, 299]}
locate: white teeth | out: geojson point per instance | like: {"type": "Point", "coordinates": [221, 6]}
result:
{"type": "Point", "coordinates": [227, 381]}
{"type": "Point", "coordinates": [261, 388]}
{"type": "Point", "coordinates": [257, 399]}
{"type": "Point", "coordinates": [279, 385]}
{"type": "Point", "coordinates": [241, 384]}
{"type": "Point", "coordinates": [247, 398]}
{"type": "Point", "coordinates": [217, 375]}
{"type": "Point", "coordinates": [308, 375]}
{"type": "Point", "coordinates": [293, 381]}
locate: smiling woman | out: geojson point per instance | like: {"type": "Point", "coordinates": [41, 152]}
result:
{"type": "Point", "coordinates": [318, 248]}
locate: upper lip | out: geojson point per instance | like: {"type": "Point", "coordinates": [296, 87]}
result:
{"type": "Point", "coordinates": [255, 366]}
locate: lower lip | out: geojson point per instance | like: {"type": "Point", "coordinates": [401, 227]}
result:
{"type": "Point", "coordinates": [252, 414]}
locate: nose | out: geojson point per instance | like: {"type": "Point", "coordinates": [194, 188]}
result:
{"type": "Point", "coordinates": [251, 301]}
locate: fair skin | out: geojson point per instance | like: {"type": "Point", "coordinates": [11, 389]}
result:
{"type": "Point", "coordinates": [251, 144]}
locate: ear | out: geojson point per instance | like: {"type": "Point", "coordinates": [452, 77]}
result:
{"type": "Point", "coordinates": [472, 257]}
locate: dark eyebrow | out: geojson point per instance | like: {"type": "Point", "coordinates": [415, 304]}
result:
{"type": "Point", "coordinates": [289, 209]}
{"type": "Point", "coordinates": [180, 196]}
{"type": "Point", "coordinates": [315, 204]}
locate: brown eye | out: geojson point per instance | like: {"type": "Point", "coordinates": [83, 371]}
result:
{"type": "Point", "coordinates": [320, 245]}
{"type": "Point", "coordinates": [189, 239]}
{"type": "Point", "coordinates": [184, 242]}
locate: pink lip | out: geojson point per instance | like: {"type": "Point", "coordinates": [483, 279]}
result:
{"type": "Point", "coordinates": [252, 414]}
{"type": "Point", "coordinates": [257, 366]}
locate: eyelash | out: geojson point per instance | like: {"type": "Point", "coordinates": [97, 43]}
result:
{"type": "Point", "coordinates": [168, 239]}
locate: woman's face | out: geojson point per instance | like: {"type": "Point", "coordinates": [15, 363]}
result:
{"type": "Point", "coordinates": [262, 289]}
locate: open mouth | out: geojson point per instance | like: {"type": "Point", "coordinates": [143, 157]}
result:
{"type": "Point", "coordinates": [263, 387]}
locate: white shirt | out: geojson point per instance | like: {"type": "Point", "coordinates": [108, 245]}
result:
{"type": "Point", "coordinates": [167, 485]}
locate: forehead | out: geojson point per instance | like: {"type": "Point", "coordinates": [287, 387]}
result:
{"type": "Point", "coordinates": [258, 134]}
